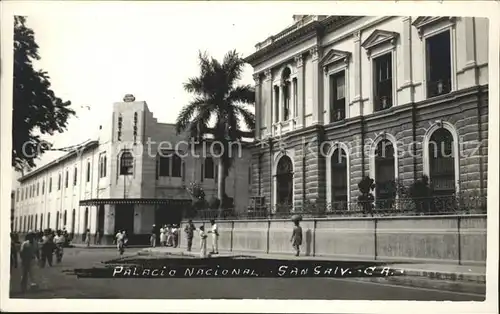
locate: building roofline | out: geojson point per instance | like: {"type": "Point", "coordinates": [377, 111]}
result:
{"type": "Point", "coordinates": [297, 30]}
{"type": "Point", "coordinates": [84, 147]}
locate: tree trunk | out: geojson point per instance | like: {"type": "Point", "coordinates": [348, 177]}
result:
{"type": "Point", "coordinates": [221, 185]}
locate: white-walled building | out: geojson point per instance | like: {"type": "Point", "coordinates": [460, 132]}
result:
{"type": "Point", "coordinates": [330, 86]}
{"type": "Point", "coordinates": [94, 188]}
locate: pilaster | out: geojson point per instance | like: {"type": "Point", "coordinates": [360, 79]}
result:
{"type": "Point", "coordinates": [300, 90]}
{"type": "Point", "coordinates": [406, 91]}
{"type": "Point", "coordinates": [258, 105]}
{"type": "Point", "coordinates": [356, 108]}
{"type": "Point", "coordinates": [269, 114]}
{"type": "Point", "coordinates": [317, 86]}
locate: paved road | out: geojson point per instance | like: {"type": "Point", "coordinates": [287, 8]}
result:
{"type": "Point", "coordinates": [55, 283]}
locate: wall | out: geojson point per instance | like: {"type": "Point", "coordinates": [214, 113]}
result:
{"type": "Point", "coordinates": [430, 239]}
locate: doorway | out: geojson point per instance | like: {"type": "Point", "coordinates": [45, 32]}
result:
{"type": "Point", "coordinates": [168, 214]}
{"type": "Point", "coordinates": [124, 218]}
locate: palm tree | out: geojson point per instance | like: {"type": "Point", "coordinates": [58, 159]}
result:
{"type": "Point", "coordinates": [218, 109]}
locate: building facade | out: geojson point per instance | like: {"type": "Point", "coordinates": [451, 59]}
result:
{"type": "Point", "coordinates": [133, 176]}
{"type": "Point", "coordinates": [339, 98]}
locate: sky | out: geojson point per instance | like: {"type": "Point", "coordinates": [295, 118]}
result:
{"type": "Point", "coordinates": [95, 57]}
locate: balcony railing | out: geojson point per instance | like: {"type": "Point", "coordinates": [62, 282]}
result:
{"type": "Point", "coordinates": [438, 87]}
{"type": "Point", "coordinates": [436, 205]}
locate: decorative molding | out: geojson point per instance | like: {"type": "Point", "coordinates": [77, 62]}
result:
{"type": "Point", "coordinates": [334, 56]}
{"type": "Point", "coordinates": [314, 53]}
{"type": "Point", "coordinates": [256, 78]}
{"type": "Point", "coordinates": [377, 38]}
{"type": "Point", "coordinates": [422, 22]}
{"type": "Point", "coordinates": [357, 36]}
{"type": "Point", "coordinates": [268, 73]}
{"type": "Point", "coordinates": [299, 60]}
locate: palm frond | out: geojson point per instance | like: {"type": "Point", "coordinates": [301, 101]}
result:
{"type": "Point", "coordinates": [187, 112]}
{"type": "Point", "coordinates": [248, 117]}
{"type": "Point", "coordinates": [242, 94]}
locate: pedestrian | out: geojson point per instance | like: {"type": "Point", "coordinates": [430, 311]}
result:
{"type": "Point", "coordinates": [14, 249]}
{"type": "Point", "coordinates": [169, 235]}
{"type": "Point", "coordinates": [296, 237]}
{"type": "Point", "coordinates": [27, 254]}
{"type": "Point", "coordinates": [98, 236]}
{"type": "Point", "coordinates": [189, 229]}
{"type": "Point", "coordinates": [203, 242]}
{"type": "Point", "coordinates": [152, 239]}
{"type": "Point", "coordinates": [215, 237]}
{"type": "Point", "coordinates": [120, 241]}
{"type": "Point", "coordinates": [175, 237]}
{"type": "Point", "coordinates": [59, 243]}
{"type": "Point", "coordinates": [47, 248]}
{"type": "Point", "coordinates": [163, 235]}
{"type": "Point", "coordinates": [87, 237]}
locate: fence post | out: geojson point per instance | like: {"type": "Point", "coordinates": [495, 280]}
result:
{"type": "Point", "coordinates": [459, 240]}
{"type": "Point", "coordinates": [375, 225]}
{"type": "Point", "coordinates": [267, 237]}
{"type": "Point", "coordinates": [232, 231]}
{"type": "Point", "coordinates": [314, 238]}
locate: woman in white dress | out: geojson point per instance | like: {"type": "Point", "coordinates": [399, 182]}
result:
{"type": "Point", "coordinates": [163, 236]}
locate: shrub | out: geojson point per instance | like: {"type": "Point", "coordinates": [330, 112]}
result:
{"type": "Point", "coordinates": [365, 200]}
{"type": "Point", "coordinates": [421, 194]}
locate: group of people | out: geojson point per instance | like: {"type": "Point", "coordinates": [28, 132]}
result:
{"type": "Point", "coordinates": [168, 235]}
{"type": "Point", "coordinates": [38, 246]}
{"type": "Point", "coordinates": [190, 229]}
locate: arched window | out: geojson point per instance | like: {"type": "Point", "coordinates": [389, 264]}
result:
{"type": "Point", "coordinates": [339, 179]}
{"type": "Point", "coordinates": [36, 222]}
{"type": "Point", "coordinates": [284, 180]}
{"type": "Point", "coordinates": [442, 162]}
{"type": "Point", "coordinates": [384, 174]}
{"type": "Point", "coordinates": [65, 218]}
{"type": "Point", "coordinates": [126, 163]}
{"type": "Point", "coordinates": [41, 221]}
{"type": "Point", "coordinates": [57, 220]}
{"type": "Point", "coordinates": [48, 220]}
{"type": "Point", "coordinates": [286, 86]}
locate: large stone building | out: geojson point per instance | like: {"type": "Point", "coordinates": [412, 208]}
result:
{"type": "Point", "coordinates": [344, 97]}
{"type": "Point", "coordinates": [134, 175]}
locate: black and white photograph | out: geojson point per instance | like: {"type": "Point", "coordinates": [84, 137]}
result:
{"type": "Point", "coordinates": [250, 152]}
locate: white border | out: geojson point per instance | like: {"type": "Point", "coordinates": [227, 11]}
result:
{"type": "Point", "coordinates": [445, 8]}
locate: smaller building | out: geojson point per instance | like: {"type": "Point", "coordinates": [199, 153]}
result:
{"type": "Point", "coordinates": [132, 176]}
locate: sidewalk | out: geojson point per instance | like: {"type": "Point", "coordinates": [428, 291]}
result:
{"type": "Point", "coordinates": [459, 278]}
{"type": "Point", "coordinates": [104, 246]}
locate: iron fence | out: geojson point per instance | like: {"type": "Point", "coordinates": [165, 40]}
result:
{"type": "Point", "coordinates": [436, 205]}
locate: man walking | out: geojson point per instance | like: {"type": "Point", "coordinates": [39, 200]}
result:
{"type": "Point", "coordinates": [152, 239]}
{"type": "Point", "coordinates": [296, 237]}
{"type": "Point", "coordinates": [47, 248]}
{"type": "Point", "coordinates": [215, 237]}
{"type": "Point", "coordinates": [27, 253]}
{"type": "Point", "coordinates": [189, 229]}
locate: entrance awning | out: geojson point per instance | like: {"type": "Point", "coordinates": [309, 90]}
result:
{"type": "Point", "coordinates": [137, 201]}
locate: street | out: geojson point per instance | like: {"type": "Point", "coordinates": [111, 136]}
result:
{"type": "Point", "coordinates": [57, 282]}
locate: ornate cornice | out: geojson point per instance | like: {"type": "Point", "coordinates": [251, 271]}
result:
{"type": "Point", "coordinates": [422, 22]}
{"type": "Point", "coordinates": [377, 38]}
{"type": "Point", "coordinates": [335, 56]}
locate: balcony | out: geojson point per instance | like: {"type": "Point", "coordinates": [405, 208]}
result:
{"type": "Point", "coordinates": [438, 87]}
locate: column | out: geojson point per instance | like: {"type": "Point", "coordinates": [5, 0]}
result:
{"type": "Point", "coordinates": [356, 106]}
{"type": "Point", "coordinates": [270, 103]}
{"type": "Point", "coordinates": [258, 104]}
{"type": "Point", "coordinates": [317, 88]}
{"type": "Point", "coordinates": [299, 60]}
{"type": "Point", "coordinates": [281, 104]}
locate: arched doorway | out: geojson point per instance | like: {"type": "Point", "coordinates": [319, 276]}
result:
{"type": "Point", "coordinates": [385, 174]}
{"type": "Point", "coordinates": [85, 224]}
{"type": "Point", "coordinates": [339, 179]}
{"type": "Point", "coordinates": [442, 162]}
{"type": "Point", "coordinates": [36, 222]}
{"type": "Point", "coordinates": [284, 181]}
